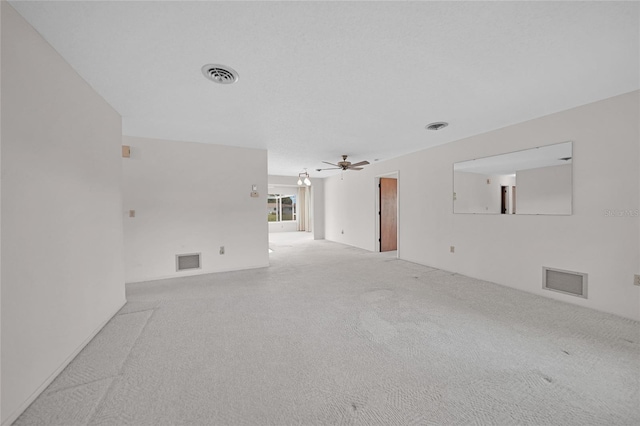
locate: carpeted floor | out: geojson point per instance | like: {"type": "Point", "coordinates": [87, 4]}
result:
{"type": "Point", "coordinates": [331, 334]}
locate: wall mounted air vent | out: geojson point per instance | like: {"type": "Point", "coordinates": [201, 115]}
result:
{"type": "Point", "coordinates": [185, 262]}
{"type": "Point", "coordinates": [567, 282]}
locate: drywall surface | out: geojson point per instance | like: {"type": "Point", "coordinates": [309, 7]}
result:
{"type": "Point", "coordinates": [62, 272]}
{"type": "Point", "coordinates": [283, 189]}
{"type": "Point", "coordinates": [544, 190]}
{"type": "Point", "coordinates": [1, 7]}
{"type": "Point", "coordinates": [193, 198]}
{"type": "Point", "coordinates": [599, 238]}
{"type": "Point", "coordinates": [281, 183]}
{"type": "Point", "coordinates": [287, 226]}
{"type": "Point", "coordinates": [317, 209]}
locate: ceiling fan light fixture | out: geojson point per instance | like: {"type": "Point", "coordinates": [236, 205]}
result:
{"type": "Point", "coordinates": [438, 125]}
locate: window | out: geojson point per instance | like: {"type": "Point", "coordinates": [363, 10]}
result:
{"type": "Point", "coordinates": [281, 208]}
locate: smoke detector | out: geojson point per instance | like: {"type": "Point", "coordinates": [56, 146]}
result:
{"type": "Point", "coordinates": [436, 126]}
{"type": "Point", "coordinates": [220, 74]}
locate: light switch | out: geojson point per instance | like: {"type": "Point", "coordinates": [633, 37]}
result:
{"type": "Point", "coordinates": [126, 151]}
{"type": "Point", "coordinates": [132, 213]}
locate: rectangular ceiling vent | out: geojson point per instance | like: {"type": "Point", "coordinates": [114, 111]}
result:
{"type": "Point", "coordinates": [567, 282]}
{"type": "Point", "coordinates": [184, 262]}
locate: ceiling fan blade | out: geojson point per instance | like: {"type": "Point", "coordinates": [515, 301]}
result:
{"type": "Point", "coordinates": [331, 168]}
{"type": "Point", "coordinates": [331, 164]}
{"type": "Point", "coordinates": [362, 163]}
{"type": "Point", "coordinates": [354, 168]}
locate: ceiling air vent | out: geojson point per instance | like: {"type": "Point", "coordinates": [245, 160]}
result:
{"type": "Point", "coordinates": [436, 126]}
{"type": "Point", "coordinates": [567, 282]}
{"type": "Point", "coordinates": [220, 74]}
{"type": "Point", "coordinates": [184, 262]}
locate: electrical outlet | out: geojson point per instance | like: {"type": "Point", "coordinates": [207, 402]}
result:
{"type": "Point", "coordinates": [132, 213]}
{"type": "Point", "coordinates": [342, 232]}
{"type": "Point", "coordinates": [452, 249]}
{"type": "Point", "coordinates": [221, 249]}
{"type": "Point", "coordinates": [636, 279]}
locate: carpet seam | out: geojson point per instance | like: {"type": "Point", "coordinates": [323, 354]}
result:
{"type": "Point", "coordinates": [137, 312]}
{"type": "Point", "coordinates": [121, 370]}
{"type": "Point", "coordinates": [92, 416]}
{"type": "Point", "coordinates": [53, 392]}
{"type": "Point", "coordinates": [144, 327]}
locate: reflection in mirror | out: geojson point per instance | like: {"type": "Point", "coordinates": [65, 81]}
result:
{"type": "Point", "coordinates": [533, 181]}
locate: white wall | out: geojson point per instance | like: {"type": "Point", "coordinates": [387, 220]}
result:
{"type": "Point", "coordinates": [317, 209]}
{"type": "Point", "coordinates": [193, 198]}
{"type": "Point", "coordinates": [512, 249]}
{"type": "Point", "coordinates": [282, 189]}
{"type": "Point", "coordinates": [317, 201]}
{"type": "Point", "coordinates": [289, 226]}
{"type": "Point", "coordinates": [545, 190]}
{"type": "Point", "coordinates": [62, 274]}
{"type": "Point", "coordinates": [350, 205]}
{"type": "Point", "coordinates": [1, 8]}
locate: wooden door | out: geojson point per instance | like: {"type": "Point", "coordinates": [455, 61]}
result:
{"type": "Point", "coordinates": [388, 214]}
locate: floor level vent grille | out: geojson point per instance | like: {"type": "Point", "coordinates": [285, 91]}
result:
{"type": "Point", "coordinates": [567, 282]}
{"type": "Point", "coordinates": [184, 262]}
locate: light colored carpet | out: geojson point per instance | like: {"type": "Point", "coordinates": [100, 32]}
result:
{"type": "Point", "coordinates": [332, 334]}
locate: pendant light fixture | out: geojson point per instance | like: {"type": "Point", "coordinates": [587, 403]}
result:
{"type": "Point", "coordinates": [306, 180]}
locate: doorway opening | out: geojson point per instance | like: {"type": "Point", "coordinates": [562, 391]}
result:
{"type": "Point", "coordinates": [507, 199]}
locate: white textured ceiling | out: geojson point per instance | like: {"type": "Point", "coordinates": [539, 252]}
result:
{"type": "Point", "coordinates": [321, 79]}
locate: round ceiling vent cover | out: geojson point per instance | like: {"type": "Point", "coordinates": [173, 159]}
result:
{"type": "Point", "coordinates": [436, 126]}
{"type": "Point", "coordinates": [220, 73]}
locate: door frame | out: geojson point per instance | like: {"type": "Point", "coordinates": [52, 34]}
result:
{"type": "Point", "coordinates": [376, 241]}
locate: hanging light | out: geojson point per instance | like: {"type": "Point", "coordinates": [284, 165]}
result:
{"type": "Point", "coordinates": [304, 175]}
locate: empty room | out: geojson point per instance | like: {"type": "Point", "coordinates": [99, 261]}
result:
{"type": "Point", "coordinates": [319, 213]}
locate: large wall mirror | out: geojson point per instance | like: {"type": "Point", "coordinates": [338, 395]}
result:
{"type": "Point", "coordinates": [532, 181]}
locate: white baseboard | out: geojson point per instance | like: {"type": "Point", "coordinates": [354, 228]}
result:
{"type": "Point", "coordinates": [16, 413]}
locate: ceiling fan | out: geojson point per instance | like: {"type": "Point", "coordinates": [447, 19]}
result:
{"type": "Point", "coordinates": [345, 165]}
